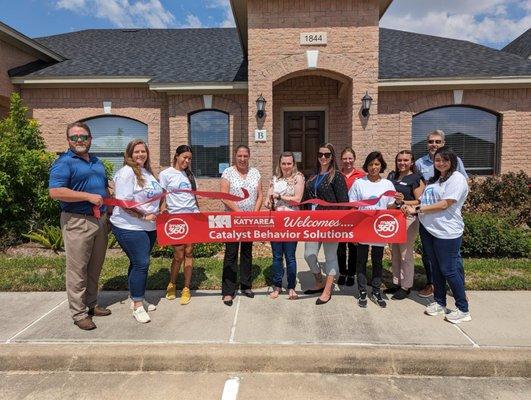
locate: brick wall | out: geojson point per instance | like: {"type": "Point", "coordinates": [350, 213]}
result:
{"type": "Point", "coordinates": [312, 93]}
{"type": "Point", "coordinates": [180, 106]}
{"type": "Point", "coordinates": [10, 57]}
{"type": "Point", "coordinates": [274, 52]}
{"type": "Point", "coordinates": [513, 105]}
{"type": "Point", "coordinates": [55, 108]}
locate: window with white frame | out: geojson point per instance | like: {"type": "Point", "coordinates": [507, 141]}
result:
{"type": "Point", "coordinates": [472, 132]}
{"type": "Point", "coordinates": [209, 140]}
{"type": "Point", "coordinates": [111, 134]}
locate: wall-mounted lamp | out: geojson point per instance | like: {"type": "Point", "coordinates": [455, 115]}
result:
{"type": "Point", "coordinates": [366, 101]}
{"type": "Point", "coordinates": [260, 106]}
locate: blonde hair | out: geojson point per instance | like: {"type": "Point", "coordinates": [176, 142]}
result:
{"type": "Point", "coordinates": [128, 160]}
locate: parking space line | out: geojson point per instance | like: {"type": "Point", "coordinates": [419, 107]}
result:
{"type": "Point", "coordinates": [231, 388]}
{"type": "Point", "coordinates": [474, 344]}
{"type": "Point", "coordinates": [233, 327]}
{"type": "Point", "coordinates": [37, 320]}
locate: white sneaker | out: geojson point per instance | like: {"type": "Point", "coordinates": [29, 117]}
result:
{"type": "Point", "coordinates": [147, 306]}
{"type": "Point", "coordinates": [458, 316]}
{"type": "Point", "coordinates": [435, 309]}
{"type": "Point", "coordinates": [141, 315]}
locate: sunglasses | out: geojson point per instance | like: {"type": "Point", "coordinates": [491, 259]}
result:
{"type": "Point", "coordinates": [431, 141]}
{"type": "Point", "coordinates": [325, 155]}
{"type": "Point", "coordinates": [75, 138]}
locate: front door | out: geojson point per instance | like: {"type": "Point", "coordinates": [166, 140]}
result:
{"type": "Point", "coordinates": [304, 131]}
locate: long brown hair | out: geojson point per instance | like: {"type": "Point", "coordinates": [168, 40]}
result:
{"type": "Point", "coordinates": [332, 167]}
{"type": "Point", "coordinates": [183, 148]}
{"type": "Point", "coordinates": [413, 168]}
{"type": "Point", "coordinates": [128, 160]}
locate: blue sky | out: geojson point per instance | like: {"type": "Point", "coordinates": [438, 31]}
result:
{"type": "Point", "coordinates": [490, 22]}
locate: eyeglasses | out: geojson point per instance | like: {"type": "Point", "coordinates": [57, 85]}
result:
{"type": "Point", "coordinates": [75, 138]}
{"type": "Point", "coordinates": [432, 141]}
{"type": "Point", "coordinates": [325, 155]}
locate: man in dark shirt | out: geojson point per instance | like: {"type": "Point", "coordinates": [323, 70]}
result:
{"type": "Point", "coordinates": [78, 181]}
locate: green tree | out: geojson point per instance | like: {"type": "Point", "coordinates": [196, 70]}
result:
{"type": "Point", "coordinates": [24, 166]}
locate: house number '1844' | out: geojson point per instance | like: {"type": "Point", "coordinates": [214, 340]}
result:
{"type": "Point", "coordinates": [313, 38]}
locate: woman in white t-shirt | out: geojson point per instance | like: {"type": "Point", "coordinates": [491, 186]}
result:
{"type": "Point", "coordinates": [232, 181]}
{"type": "Point", "coordinates": [179, 176]}
{"type": "Point", "coordinates": [369, 187]}
{"type": "Point", "coordinates": [441, 231]}
{"type": "Point", "coordinates": [135, 229]}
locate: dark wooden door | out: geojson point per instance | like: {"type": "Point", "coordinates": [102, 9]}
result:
{"type": "Point", "coordinates": [304, 131]}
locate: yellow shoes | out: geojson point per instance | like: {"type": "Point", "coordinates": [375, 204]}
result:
{"type": "Point", "coordinates": [170, 291]}
{"type": "Point", "coordinates": [186, 296]}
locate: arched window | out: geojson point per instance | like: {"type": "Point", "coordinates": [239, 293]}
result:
{"type": "Point", "coordinates": [209, 139]}
{"type": "Point", "coordinates": [111, 134]}
{"type": "Point", "coordinates": [470, 131]}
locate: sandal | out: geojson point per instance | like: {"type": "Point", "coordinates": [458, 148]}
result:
{"type": "Point", "coordinates": [293, 295]}
{"type": "Point", "coordinates": [275, 293]}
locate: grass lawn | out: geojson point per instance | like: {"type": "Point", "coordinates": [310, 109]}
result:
{"type": "Point", "coordinates": [43, 273]}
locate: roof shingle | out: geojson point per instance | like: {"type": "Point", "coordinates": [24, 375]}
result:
{"type": "Point", "coordinates": [215, 55]}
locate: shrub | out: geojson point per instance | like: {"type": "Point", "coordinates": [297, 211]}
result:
{"type": "Point", "coordinates": [24, 165]}
{"type": "Point", "coordinates": [49, 237]}
{"type": "Point", "coordinates": [504, 194]}
{"type": "Point", "coordinates": [490, 235]}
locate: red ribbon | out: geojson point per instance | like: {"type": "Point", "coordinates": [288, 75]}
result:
{"type": "Point", "coordinates": [109, 201]}
{"type": "Point", "coordinates": [360, 203]}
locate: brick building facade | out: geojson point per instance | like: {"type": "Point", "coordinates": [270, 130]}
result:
{"type": "Point", "coordinates": [313, 92]}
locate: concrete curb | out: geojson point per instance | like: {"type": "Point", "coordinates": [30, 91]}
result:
{"type": "Point", "coordinates": [337, 359]}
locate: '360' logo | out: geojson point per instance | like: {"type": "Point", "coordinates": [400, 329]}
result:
{"type": "Point", "coordinates": [176, 228]}
{"type": "Point", "coordinates": [386, 226]}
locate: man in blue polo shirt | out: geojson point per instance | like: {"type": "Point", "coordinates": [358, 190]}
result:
{"type": "Point", "coordinates": [78, 181]}
{"type": "Point", "coordinates": [424, 165]}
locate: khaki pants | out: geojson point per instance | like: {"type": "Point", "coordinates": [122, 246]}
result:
{"type": "Point", "coordinates": [403, 256]}
{"type": "Point", "coordinates": [85, 240]}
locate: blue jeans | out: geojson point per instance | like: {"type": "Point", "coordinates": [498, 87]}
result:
{"type": "Point", "coordinates": [280, 250]}
{"type": "Point", "coordinates": [137, 245]}
{"type": "Point", "coordinates": [447, 266]}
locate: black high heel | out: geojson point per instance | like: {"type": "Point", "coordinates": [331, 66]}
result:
{"type": "Point", "coordinates": [319, 301]}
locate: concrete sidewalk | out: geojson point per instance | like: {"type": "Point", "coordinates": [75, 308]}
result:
{"type": "Point", "coordinates": [397, 339]}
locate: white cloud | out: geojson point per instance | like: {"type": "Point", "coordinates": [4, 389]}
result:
{"type": "Point", "coordinates": [123, 13]}
{"type": "Point", "coordinates": [192, 21]}
{"type": "Point", "coordinates": [228, 17]}
{"type": "Point", "coordinates": [72, 5]}
{"type": "Point", "coordinates": [490, 22]}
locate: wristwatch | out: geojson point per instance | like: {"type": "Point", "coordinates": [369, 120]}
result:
{"type": "Point", "coordinates": [418, 210]}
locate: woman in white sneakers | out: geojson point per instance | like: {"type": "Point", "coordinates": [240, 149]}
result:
{"type": "Point", "coordinates": [135, 229]}
{"type": "Point", "coordinates": [179, 176]}
{"type": "Point", "coordinates": [441, 230]}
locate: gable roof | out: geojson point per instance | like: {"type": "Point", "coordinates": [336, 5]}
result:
{"type": "Point", "coordinates": [164, 55]}
{"type": "Point", "coordinates": [520, 46]}
{"type": "Point", "coordinates": [214, 55]}
{"type": "Point", "coordinates": [30, 46]}
{"type": "Point", "coordinates": [407, 55]}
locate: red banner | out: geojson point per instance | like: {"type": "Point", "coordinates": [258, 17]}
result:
{"type": "Point", "coordinates": [366, 226]}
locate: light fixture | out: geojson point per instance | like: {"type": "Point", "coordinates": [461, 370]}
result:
{"type": "Point", "coordinates": [366, 101]}
{"type": "Point", "coordinates": [260, 106]}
